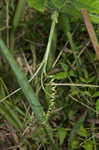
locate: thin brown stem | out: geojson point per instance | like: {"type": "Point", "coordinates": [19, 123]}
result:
{"type": "Point", "coordinates": [91, 31]}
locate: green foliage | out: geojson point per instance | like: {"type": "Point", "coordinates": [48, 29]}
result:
{"type": "Point", "coordinates": [7, 109]}
{"type": "Point", "coordinates": [90, 5]}
{"type": "Point", "coordinates": [96, 94]}
{"type": "Point", "coordinates": [88, 145]}
{"type": "Point", "coordinates": [73, 71]}
{"type": "Point", "coordinates": [60, 75]}
{"type": "Point", "coordinates": [27, 90]}
{"type": "Point", "coordinates": [19, 13]}
{"type": "Point", "coordinates": [83, 132]}
{"type": "Point", "coordinates": [97, 105]}
{"type": "Point", "coordinates": [75, 130]}
{"type": "Point", "coordinates": [38, 4]}
{"type": "Point", "coordinates": [75, 144]}
{"type": "Point", "coordinates": [59, 3]}
{"type": "Point", "coordinates": [62, 134]}
{"type": "Point", "coordinates": [73, 8]}
{"type": "Point", "coordinates": [9, 113]}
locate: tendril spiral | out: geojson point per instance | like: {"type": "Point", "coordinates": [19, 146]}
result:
{"type": "Point", "coordinates": [52, 96]}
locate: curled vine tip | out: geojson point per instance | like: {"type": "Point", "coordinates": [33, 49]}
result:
{"type": "Point", "coordinates": [54, 16]}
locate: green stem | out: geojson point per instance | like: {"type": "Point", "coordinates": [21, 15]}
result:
{"type": "Point", "coordinates": [54, 21]}
{"type": "Point", "coordinates": [19, 12]}
{"type": "Point", "coordinates": [45, 59]}
{"type": "Point", "coordinates": [18, 15]}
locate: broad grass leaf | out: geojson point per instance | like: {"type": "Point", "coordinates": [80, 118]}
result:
{"type": "Point", "coordinates": [38, 4]}
{"type": "Point", "coordinates": [58, 3]}
{"type": "Point", "coordinates": [79, 4]}
{"type": "Point", "coordinates": [92, 6]}
{"type": "Point", "coordinates": [75, 6]}
{"type": "Point", "coordinates": [69, 10]}
{"type": "Point", "coordinates": [86, 2]}
{"type": "Point", "coordinates": [95, 5]}
{"type": "Point", "coordinates": [95, 19]}
{"type": "Point", "coordinates": [62, 134]}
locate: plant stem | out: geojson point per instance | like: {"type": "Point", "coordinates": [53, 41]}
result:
{"type": "Point", "coordinates": [91, 31]}
{"type": "Point", "coordinates": [18, 15]}
{"type": "Point", "coordinates": [47, 53]}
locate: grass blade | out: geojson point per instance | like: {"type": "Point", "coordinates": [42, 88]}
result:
{"type": "Point", "coordinates": [27, 90]}
{"type": "Point", "coordinates": [24, 84]}
{"type": "Point", "coordinates": [19, 12]}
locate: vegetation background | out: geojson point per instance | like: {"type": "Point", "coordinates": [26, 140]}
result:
{"type": "Point", "coordinates": [49, 78]}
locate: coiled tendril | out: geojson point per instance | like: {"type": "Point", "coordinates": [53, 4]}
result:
{"type": "Point", "coordinates": [52, 96]}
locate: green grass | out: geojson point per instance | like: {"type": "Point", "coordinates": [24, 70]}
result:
{"type": "Point", "coordinates": [49, 81]}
